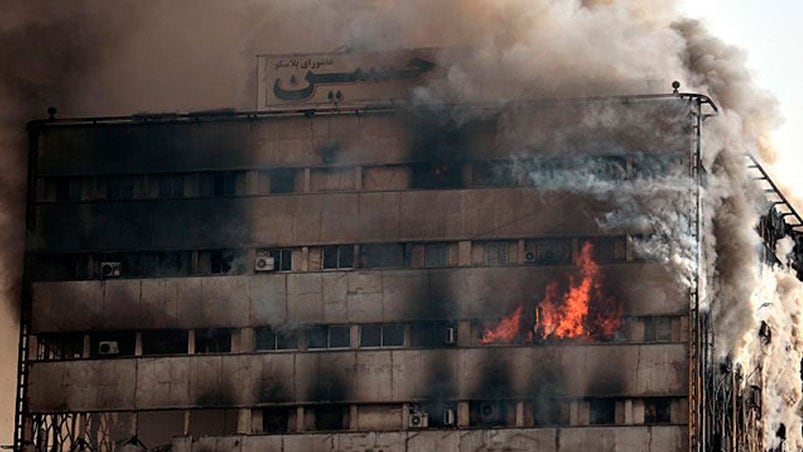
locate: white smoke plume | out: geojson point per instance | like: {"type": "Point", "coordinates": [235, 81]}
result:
{"type": "Point", "coordinates": [93, 57]}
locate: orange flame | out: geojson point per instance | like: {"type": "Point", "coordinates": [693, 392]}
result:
{"type": "Point", "coordinates": [506, 331]}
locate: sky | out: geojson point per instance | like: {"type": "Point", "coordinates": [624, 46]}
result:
{"type": "Point", "coordinates": [769, 31]}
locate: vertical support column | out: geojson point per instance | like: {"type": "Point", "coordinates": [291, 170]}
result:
{"type": "Point", "coordinates": [519, 414]}
{"type": "Point", "coordinates": [244, 420]}
{"type": "Point", "coordinates": [300, 419]}
{"type": "Point", "coordinates": [307, 177]}
{"type": "Point", "coordinates": [138, 344]}
{"type": "Point", "coordinates": [463, 418]}
{"type": "Point", "coordinates": [191, 342]}
{"type": "Point", "coordinates": [629, 412]}
{"type": "Point", "coordinates": [246, 340]}
{"type": "Point", "coordinates": [87, 347]}
{"type": "Point", "coordinates": [464, 253]}
{"type": "Point", "coordinates": [354, 412]}
{"type": "Point", "coordinates": [355, 336]}
{"type": "Point", "coordinates": [358, 178]}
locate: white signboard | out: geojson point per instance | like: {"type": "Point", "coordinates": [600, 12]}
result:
{"type": "Point", "coordinates": [341, 78]}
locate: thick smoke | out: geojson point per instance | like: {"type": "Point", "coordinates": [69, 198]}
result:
{"type": "Point", "coordinates": [100, 58]}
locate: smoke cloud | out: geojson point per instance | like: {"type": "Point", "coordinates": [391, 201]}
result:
{"type": "Point", "coordinates": [100, 58]}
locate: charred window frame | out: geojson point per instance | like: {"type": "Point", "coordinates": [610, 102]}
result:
{"type": "Point", "coordinates": [548, 251]}
{"type": "Point", "coordinates": [549, 411]}
{"type": "Point", "coordinates": [171, 186]}
{"type": "Point", "coordinates": [493, 173]}
{"type": "Point", "coordinates": [61, 267]}
{"type": "Point", "coordinates": [441, 147]}
{"type": "Point", "coordinates": [165, 342]}
{"type": "Point", "coordinates": [610, 249]}
{"type": "Point", "coordinates": [384, 255]}
{"type": "Point", "coordinates": [377, 335]}
{"type": "Point", "coordinates": [64, 189]}
{"type": "Point", "coordinates": [338, 257]}
{"type": "Point", "coordinates": [602, 411]}
{"type": "Point", "coordinates": [436, 255]}
{"type": "Point", "coordinates": [657, 410]}
{"type": "Point", "coordinates": [276, 419]}
{"type": "Point", "coordinates": [497, 253]}
{"type": "Point", "coordinates": [220, 262]}
{"type": "Point", "coordinates": [328, 337]}
{"type": "Point", "coordinates": [59, 346]}
{"type": "Point", "coordinates": [331, 417]}
{"type": "Point", "coordinates": [282, 259]}
{"type": "Point", "coordinates": [489, 413]}
{"type": "Point", "coordinates": [279, 180]}
{"type": "Point", "coordinates": [433, 334]}
{"type": "Point", "coordinates": [112, 344]}
{"type": "Point", "coordinates": [268, 339]}
{"type": "Point", "coordinates": [658, 329]}
{"type": "Point", "coordinates": [219, 183]}
{"type": "Point", "coordinates": [213, 340]}
{"type": "Point", "coordinates": [166, 264]}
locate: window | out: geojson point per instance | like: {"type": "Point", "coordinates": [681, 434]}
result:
{"type": "Point", "coordinates": [120, 187]}
{"type": "Point", "coordinates": [171, 185]}
{"type": "Point", "coordinates": [436, 255]}
{"type": "Point", "coordinates": [329, 336]}
{"type": "Point", "coordinates": [164, 342]}
{"type": "Point", "coordinates": [338, 257]}
{"type": "Point", "coordinates": [493, 174]}
{"type": "Point", "coordinates": [331, 417]}
{"type": "Point", "coordinates": [548, 251]}
{"type": "Point", "coordinates": [610, 249]}
{"type": "Point", "coordinates": [266, 339]}
{"type": "Point", "coordinates": [602, 411]}
{"type": "Point", "coordinates": [213, 340]}
{"type": "Point", "coordinates": [379, 335]}
{"type": "Point", "coordinates": [276, 419]}
{"type": "Point", "coordinates": [224, 183]}
{"type": "Point", "coordinates": [67, 189]}
{"type": "Point", "coordinates": [496, 253]}
{"type": "Point", "coordinates": [657, 410]}
{"type": "Point", "coordinates": [61, 267]}
{"type": "Point", "coordinates": [282, 259]}
{"type": "Point", "coordinates": [212, 422]}
{"type": "Point", "coordinates": [435, 333]}
{"type": "Point", "coordinates": [548, 411]}
{"type": "Point", "coordinates": [437, 174]}
{"type": "Point", "coordinates": [163, 264]}
{"type": "Point", "coordinates": [59, 346]}
{"type": "Point", "coordinates": [383, 255]}
{"type": "Point", "coordinates": [112, 344]}
{"type": "Point", "coordinates": [220, 262]}
{"type": "Point", "coordinates": [488, 413]}
{"type": "Point", "coordinates": [657, 329]}
{"type": "Point", "coordinates": [280, 180]}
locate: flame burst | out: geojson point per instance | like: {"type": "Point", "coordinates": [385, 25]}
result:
{"type": "Point", "coordinates": [581, 311]}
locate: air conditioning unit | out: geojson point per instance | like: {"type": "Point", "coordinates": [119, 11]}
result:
{"type": "Point", "coordinates": [449, 417]}
{"type": "Point", "coordinates": [548, 252]}
{"type": "Point", "coordinates": [264, 264]}
{"type": "Point", "coordinates": [108, 348]}
{"type": "Point", "coordinates": [110, 269]}
{"type": "Point", "coordinates": [529, 257]}
{"type": "Point", "coordinates": [490, 412]}
{"type": "Point", "coordinates": [418, 419]}
{"type": "Point", "coordinates": [450, 336]}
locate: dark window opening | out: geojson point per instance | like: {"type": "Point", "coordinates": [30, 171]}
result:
{"type": "Point", "coordinates": [657, 411]}
{"type": "Point", "coordinates": [164, 342]}
{"type": "Point", "coordinates": [610, 249]}
{"type": "Point", "coordinates": [276, 420]}
{"type": "Point", "coordinates": [329, 336]}
{"type": "Point", "coordinates": [331, 417]}
{"type": "Point", "coordinates": [282, 180]}
{"type": "Point", "coordinates": [379, 335]}
{"type": "Point", "coordinates": [496, 253]}
{"type": "Point", "coordinates": [549, 412]}
{"type": "Point", "coordinates": [440, 414]}
{"type": "Point", "coordinates": [213, 340]}
{"type": "Point", "coordinates": [61, 267]}
{"type": "Point", "coordinates": [120, 188]}
{"type": "Point", "coordinates": [68, 189]}
{"type": "Point", "coordinates": [437, 174]}
{"type": "Point", "coordinates": [602, 411]}
{"type": "Point", "coordinates": [488, 413]}
{"type": "Point", "coordinates": [224, 183]}
{"type": "Point", "coordinates": [442, 145]}
{"type": "Point", "coordinates": [338, 257]}
{"type": "Point", "coordinates": [493, 174]}
{"type": "Point", "coordinates": [548, 251]}
{"type": "Point", "coordinates": [269, 339]}
{"type": "Point", "coordinates": [59, 346]}
{"type": "Point", "coordinates": [212, 422]}
{"type": "Point", "coordinates": [436, 255]}
{"type": "Point", "coordinates": [282, 259]}
{"type": "Point", "coordinates": [657, 329]}
{"type": "Point", "coordinates": [428, 334]}
{"type": "Point", "coordinates": [164, 264]}
{"type": "Point", "coordinates": [171, 186]}
{"type": "Point", "coordinates": [220, 262]}
{"type": "Point", "coordinates": [384, 255]}
{"type": "Point", "coordinates": [118, 265]}
{"type": "Point", "coordinates": [112, 344]}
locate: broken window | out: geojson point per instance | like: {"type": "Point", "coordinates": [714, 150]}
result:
{"type": "Point", "coordinates": [220, 183]}
{"type": "Point", "coordinates": [171, 186]}
{"type": "Point", "coordinates": [164, 342]}
{"type": "Point", "coordinates": [267, 338]}
{"type": "Point", "coordinates": [610, 249]}
{"type": "Point", "coordinates": [59, 346]}
{"type": "Point", "coordinates": [657, 410]}
{"type": "Point", "coordinates": [61, 267]}
{"type": "Point", "coordinates": [276, 419]}
{"type": "Point", "coordinates": [436, 255]}
{"type": "Point", "coordinates": [112, 344]}
{"type": "Point", "coordinates": [493, 174]}
{"type": "Point", "coordinates": [548, 411]}
{"type": "Point", "coordinates": [215, 422]}
{"type": "Point", "coordinates": [439, 414]}
{"type": "Point", "coordinates": [329, 336]}
{"type": "Point", "coordinates": [548, 251]}
{"type": "Point", "coordinates": [488, 413]}
{"type": "Point", "coordinates": [165, 264]}
{"type": "Point", "coordinates": [658, 329]}
{"type": "Point", "coordinates": [220, 262]}
{"type": "Point", "coordinates": [383, 255]}
{"type": "Point", "coordinates": [156, 429]}
{"type": "Point", "coordinates": [331, 417]}
{"type": "Point", "coordinates": [279, 180]}
{"type": "Point", "coordinates": [602, 411]}
{"type": "Point", "coordinates": [213, 340]}
{"type": "Point", "coordinates": [335, 257]}
{"type": "Point", "coordinates": [382, 335]}
{"type": "Point", "coordinates": [433, 333]}
{"type": "Point", "coordinates": [496, 253]}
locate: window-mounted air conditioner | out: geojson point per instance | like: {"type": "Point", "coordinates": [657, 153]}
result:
{"type": "Point", "coordinates": [450, 336]}
{"type": "Point", "coordinates": [108, 348]}
{"type": "Point", "coordinates": [110, 269]}
{"type": "Point", "coordinates": [418, 418]}
{"type": "Point", "coordinates": [490, 412]}
{"type": "Point", "coordinates": [264, 264]}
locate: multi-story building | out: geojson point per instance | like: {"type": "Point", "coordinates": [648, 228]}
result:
{"type": "Point", "coordinates": [357, 277]}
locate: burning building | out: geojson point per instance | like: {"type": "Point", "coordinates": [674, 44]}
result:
{"type": "Point", "coordinates": [342, 269]}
